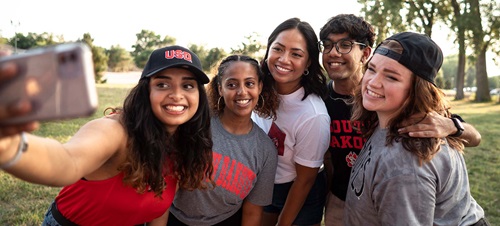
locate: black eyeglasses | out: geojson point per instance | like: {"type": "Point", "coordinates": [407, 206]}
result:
{"type": "Point", "coordinates": [343, 46]}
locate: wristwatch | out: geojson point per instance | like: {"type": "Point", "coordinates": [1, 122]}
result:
{"type": "Point", "coordinates": [459, 126]}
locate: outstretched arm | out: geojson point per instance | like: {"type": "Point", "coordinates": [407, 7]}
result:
{"type": "Point", "coordinates": [44, 159]}
{"type": "Point", "coordinates": [436, 125]}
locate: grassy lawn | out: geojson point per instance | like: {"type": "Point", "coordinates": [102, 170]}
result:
{"type": "Point", "coordinates": [483, 162]}
{"type": "Point", "coordinates": [22, 203]}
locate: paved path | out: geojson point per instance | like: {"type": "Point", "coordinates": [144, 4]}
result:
{"type": "Point", "coordinates": [122, 77]}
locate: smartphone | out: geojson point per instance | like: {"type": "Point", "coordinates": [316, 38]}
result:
{"type": "Point", "coordinates": [58, 80]}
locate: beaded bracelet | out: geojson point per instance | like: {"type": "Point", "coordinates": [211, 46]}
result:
{"type": "Point", "coordinates": [23, 146]}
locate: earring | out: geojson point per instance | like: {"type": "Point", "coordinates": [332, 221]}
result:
{"type": "Point", "coordinates": [218, 103]}
{"type": "Point", "coordinates": [261, 105]}
{"type": "Point", "coordinates": [306, 72]}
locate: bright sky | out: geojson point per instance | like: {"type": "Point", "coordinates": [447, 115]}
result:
{"type": "Point", "coordinates": [212, 23]}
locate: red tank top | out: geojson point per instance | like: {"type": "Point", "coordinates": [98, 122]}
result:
{"type": "Point", "coordinates": [110, 202]}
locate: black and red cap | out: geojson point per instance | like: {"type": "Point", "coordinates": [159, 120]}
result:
{"type": "Point", "coordinates": [420, 54]}
{"type": "Point", "coordinates": [174, 57]}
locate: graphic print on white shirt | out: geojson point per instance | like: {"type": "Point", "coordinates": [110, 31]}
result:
{"type": "Point", "coordinates": [278, 137]}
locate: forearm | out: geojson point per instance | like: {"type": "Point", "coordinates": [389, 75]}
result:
{"type": "Point", "coordinates": [435, 125]}
{"type": "Point", "coordinates": [295, 200]}
{"type": "Point", "coordinates": [42, 162]}
{"type": "Point", "coordinates": [48, 162]}
{"type": "Point", "coordinates": [471, 136]}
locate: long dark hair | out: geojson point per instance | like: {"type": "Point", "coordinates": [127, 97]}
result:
{"type": "Point", "coordinates": [266, 105]}
{"type": "Point", "coordinates": [315, 81]}
{"type": "Point", "coordinates": [153, 152]}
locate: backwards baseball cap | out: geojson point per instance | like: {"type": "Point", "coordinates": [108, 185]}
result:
{"type": "Point", "coordinates": [419, 53]}
{"type": "Point", "coordinates": [174, 57]}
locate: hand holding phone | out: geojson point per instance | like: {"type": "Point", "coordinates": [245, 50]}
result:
{"type": "Point", "coordinates": [57, 80]}
{"type": "Point", "coordinates": [8, 71]}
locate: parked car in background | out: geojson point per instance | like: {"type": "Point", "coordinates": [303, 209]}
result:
{"type": "Point", "coordinates": [495, 91]}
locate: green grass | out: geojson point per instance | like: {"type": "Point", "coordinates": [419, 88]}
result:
{"type": "Point", "coordinates": [483, 162]}
{"type": "Point", "coordinates": [23, 203]}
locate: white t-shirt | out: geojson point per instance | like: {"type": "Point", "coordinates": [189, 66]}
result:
{"type": "Point", "coordinates": [301, 133]}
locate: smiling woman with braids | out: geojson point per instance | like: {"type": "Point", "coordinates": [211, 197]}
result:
{"type": "Point", "coordinates": [244, 157]}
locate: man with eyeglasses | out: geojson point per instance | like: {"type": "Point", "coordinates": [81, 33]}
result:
{"type": "Point", "coordinates": [346, 43]}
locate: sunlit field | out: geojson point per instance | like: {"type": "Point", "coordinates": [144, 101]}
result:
{"type": "Point", "coordinates": [22, 203]}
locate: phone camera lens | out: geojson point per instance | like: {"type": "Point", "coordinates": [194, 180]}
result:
{"type": "Point", "coordinates": [62, 59]}
{"type": "Point", "coordinates": [72, 57]}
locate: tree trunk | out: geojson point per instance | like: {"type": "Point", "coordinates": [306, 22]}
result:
{"type": "Point", "coordinates": [480, 47]}
{"type": "Point", "coordinates": [482, 92]}
{"type": "Point", "coordinates": [459, 95]}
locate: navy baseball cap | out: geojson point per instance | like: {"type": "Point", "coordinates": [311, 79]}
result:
{"type": "Point", "coordinates": [420, 54]}
{"type": "Point", "coordinates": [174, 57]}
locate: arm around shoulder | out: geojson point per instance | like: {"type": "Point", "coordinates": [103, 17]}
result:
{"type": "Point", "coordinates": [436, 125]}
{"type": "Point", "coordinates": [465, 131]}
{"type": "Point", "coordinates": [471, 135]}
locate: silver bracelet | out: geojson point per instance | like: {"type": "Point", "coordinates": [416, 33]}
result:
{"type": "Point", "coordinates": [23, 147]}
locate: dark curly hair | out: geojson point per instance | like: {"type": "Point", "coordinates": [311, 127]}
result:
{"type": "Point", "coordinates": [315, 82]}
{"type": "Point", "coordinates": [153, 153]}
{"type": "Point", "coordinates": [357, 28]}
{"type": "Point", "coordinates": [266, 106]}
